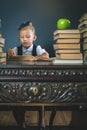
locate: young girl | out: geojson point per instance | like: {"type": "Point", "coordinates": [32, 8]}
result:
{"type": "Point", "coordinates": [26, 37]}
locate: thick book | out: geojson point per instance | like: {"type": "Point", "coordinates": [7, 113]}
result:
{"type": "Point", "coordinates": [66, 31]}
{"type": "Point", "coordinates": [2, 45]}
{"type": "Point", "coordinates": [68, 51]}
{"type": "Point", "coordinates": [68, 40]}
{"type": "Point", "coordinates": [85, 54]}
{"type": "Point", "coordinates": [83, 23]}
{"type": "Point", "coordinates": [70, 56]}
{"type": "Point", "coordinates": [83, 29]}
{"type": "Point", "coordinates": [66, 46]}
{"type": "Point", "coordinates": [1, 49]}
{"type": "Point", "coordinates": [67, 35]}
{"type": "Point", "coordinates": [85, 40]}
{"type": "Point", "coordinates": [2, 59]}
{"type": "Point", "coordinates": [57, 61]}
{"type": "Point", "coordinates": [84, 46]}
{"type": "Point", "coordinates": [84, 35]}
{"type": "Point", "coordinates": [2, 54]}
{"type": "Point", "coordinates": [3, 62]}
{"type": "Point", "coordinates": [2, 40]}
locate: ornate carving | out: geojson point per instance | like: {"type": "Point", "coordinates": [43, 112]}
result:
{"type": "Point", "coordinates": [42, 92]}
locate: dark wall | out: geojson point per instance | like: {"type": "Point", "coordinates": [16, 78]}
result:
{"type": "Point", "coordinates": [43, 14]}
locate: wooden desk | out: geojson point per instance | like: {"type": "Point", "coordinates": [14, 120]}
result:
{"type": "Point", "coordinates": [43, 85]}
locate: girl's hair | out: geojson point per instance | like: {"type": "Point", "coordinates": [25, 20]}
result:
{"type": "Point", "coordinates": [26, 25]}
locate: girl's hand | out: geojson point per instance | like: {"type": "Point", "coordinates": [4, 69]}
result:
{"type": "Point", "coordinates": [11, 52]}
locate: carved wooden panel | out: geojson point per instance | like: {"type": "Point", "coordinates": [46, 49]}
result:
{"type": "Point", "coordinates": [49, 92]}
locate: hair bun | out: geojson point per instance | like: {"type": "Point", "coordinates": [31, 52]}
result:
{"type": "Point", "coordinates": [24, 24]}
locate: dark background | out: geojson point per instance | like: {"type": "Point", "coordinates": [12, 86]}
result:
{"type": "Point", "coordinates": [43, 14]}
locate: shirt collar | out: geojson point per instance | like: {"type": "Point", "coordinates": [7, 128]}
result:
{"type": "Point", "coordinates": [28, 49]}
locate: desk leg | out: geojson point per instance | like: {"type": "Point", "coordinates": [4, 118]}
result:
{"type": "Point", "coordinates": [52, 116]}
{"type": "Point", "coordinates": [42, 118]}
{"type": "Point", "coordinates": [19, 115]}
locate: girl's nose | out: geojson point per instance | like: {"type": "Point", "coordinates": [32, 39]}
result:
{"type": "Point", "coordinates": [24, 38]}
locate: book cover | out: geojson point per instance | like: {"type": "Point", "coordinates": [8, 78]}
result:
{"type": "Point", "coordinates": [1, 45]}
{"type": "Point", "coordinates": [2, 54]}
{"type": "Point", "coordinates": [83, 29]}
{"type": "Point", "coordinates": [2, 40]}
{"type": "Point", "coordinates": [85, 40]}
{"type": "Point", "coordinates": [1, 50]}
{"type": "Point", "coordinates": [66, 31]}
{"type": "Point", "coordinates": [67, 35]}
{"type": "Point", "coordinates": [2, 59]}
{"type": "Point", "coordinates": [66, 46]}
{"type": "Point", "coordinates": [68, 40]}
{"type": "Point", "coordinates": [3, 62]}
{"type": "Point", "coordinates": [70, 56]}
{"type": "Point", "coordinates": [83, 23]}
{"type": "Point", "coordinates": [57, 61]}
{"type": "Point", "coordinates": [84, 46]}
{"type": "Point", "coordinates": [85, 54]}
{"type": "Point", "coordinates": [84, 34]}
{"type": "Point", "coordinates": [68, 51]}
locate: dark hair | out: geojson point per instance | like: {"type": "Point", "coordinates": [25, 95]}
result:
{"type": "Point", "coordinates": [25, 25]}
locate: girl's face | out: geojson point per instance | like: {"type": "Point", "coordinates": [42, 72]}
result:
{"type": "Point", "coordinates": [26, 37]}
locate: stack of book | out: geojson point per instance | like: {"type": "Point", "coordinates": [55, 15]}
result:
{"type": "Point", "coordinates": [67, 46]}
{"type": "Point", "coordinates": [83, 29]}
{"type": "Point", "coordinates": [2, 53]}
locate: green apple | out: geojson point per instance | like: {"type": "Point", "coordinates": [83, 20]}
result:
{"type": "Point", "coordinates": [63, 23]}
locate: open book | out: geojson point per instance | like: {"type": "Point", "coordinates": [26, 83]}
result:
{"type": "Point", "coordinates": [27, 60]}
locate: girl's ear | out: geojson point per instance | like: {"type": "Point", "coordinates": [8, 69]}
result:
{"type": "Point", "coordinates": [35, 37]}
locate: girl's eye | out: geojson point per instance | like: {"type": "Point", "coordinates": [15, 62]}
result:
{"type": "Point", "coordinates": [25, 37]}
